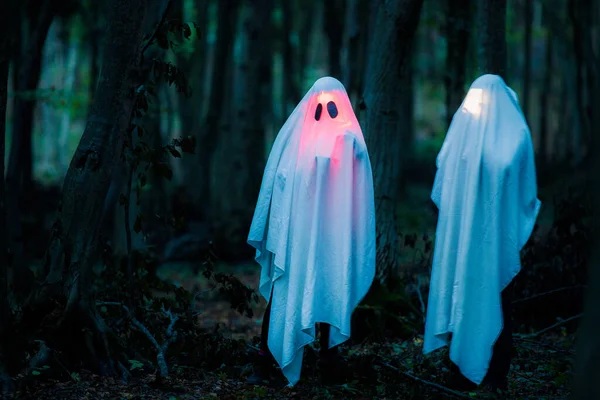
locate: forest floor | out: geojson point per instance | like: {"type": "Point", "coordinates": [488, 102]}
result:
{"type": "Point", "coordinates": [390, 369]}
{"type": "Point", "coordinates": [541, 368]}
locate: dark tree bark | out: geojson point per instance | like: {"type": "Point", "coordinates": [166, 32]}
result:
{"type": "Point", "coordinates": [37, 18]}
{"type": "Point", "coordinates": [587, 366]}
{"type": "Point", "coordinates": [528, 15]}
{"type": "Point", "coordinates": [491, 37]}
{"type": "Point", "coordinates": [94, 33]}
{"type": "Point", "coordinates": [580, 12]}
{"type": "Point", "coordinates": [74, 242]}
{"type": "Point", "coordinates": [305, 35]}
{"type": "Point", "coordinates": [458, 33]}
{"type": "Point", "coordinates": [226, 22]}
{"type": "Point", "coordinates": [5, 313]}
{"type": "Point", "coordinates": [241, 150]}
{"type": "Point", "coordinates": [8, 11]}
{"type": "Point", "coordinates": [333, 26]}
{"type": "Point", "coordinates": [291, 84]}
{"type": "Point", "coordinates": [544, 99]}
{"type": "Point", "coordinates": [393, 32]}
{"type": "Point", "coordinates": [194, 67]}
{"type": "Point", "coordinates": [356, 39]}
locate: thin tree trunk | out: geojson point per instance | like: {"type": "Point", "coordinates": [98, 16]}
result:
{"type": "Point", "coordinates": [241, 151]}
{"type": "Point", "coordinates": [579, 11]}
{"type": "Point", "coordinates": [305, 36]}
{"type": "Point", "coordinates": [194, 66]}
{"type": "Point", "coordinates": [291, 90]}
{"type": "Point", "coordinates": [394, 28]}
{"type": "Point", "coordinates": [226, 22]}
{"type": "Point", "coordinates": [458, 33]}
{"type": "Point", "coordinates": [73, 246]}
{"type": "Point", "coordinates": [544, 102]}
{"type": "Point", "coordinates": [5, 314]}
{"type": "Point", "coordinates": [19, 171]}
{"type": "Point", "coordinates": [491, 37]}
{"type": "Point", "coordinates": [527, 54]}
{"type": "Point", "coordinates": [7, 33]}
{"type": "Point", "coordinates": [357, 14]}
{"type": "Point", "coordinates": [333, 25]}
{"type": "Point", "coordinates": [93, 38]}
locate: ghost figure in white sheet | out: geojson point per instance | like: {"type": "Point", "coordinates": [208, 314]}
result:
{"type": "Point", "coordinates": [486, 192]}
{"type": "Point", "coordinates": [314, 224]}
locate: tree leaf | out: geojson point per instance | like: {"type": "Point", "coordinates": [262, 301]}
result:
{"type": "Point", "coordinates": [174, 152]}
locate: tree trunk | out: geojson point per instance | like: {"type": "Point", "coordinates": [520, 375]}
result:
{"type": "Point", "coordinates": [241, 152]}
{"type": "Point", "coordinates": [491, 37]}
{"type": "Point", "coordinates": [587, 368]}
{"type": "Point", "coordinates": [5, 313]}
{"type": "Point", "coordinates": [194, 66]}
{"type": "Point", "coordinates": [544, 101]}
{"type": "Point", "coordinates": [527, 55]}
{"type": "Point", "coordinates": [389, 49]}
{"type": "Point", "coordinates": [7, 32]}
{"type": "Point", "coordinates": [291, 88]}
{"type": "Point", "coordinates": [579, 13]}
{"type": "Point", "coordinates": [356, 39]}
{"type": "Point", "coordinates": [73, 246]}
{"type": "Point", "coordinates": [93, 35]}
{"type": "Point", "coordinates": [458, 33]}
{"type": "Point", "coordinates": [226, 22]}
{"type": "Point", "coordinates": [19, 171]}
{"type": "Point", "coordinates": [333, 26]}
{"type": "Point", "coordinates": [305, 36]}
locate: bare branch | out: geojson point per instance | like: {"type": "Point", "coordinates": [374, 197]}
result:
{"type": "Point", "coordinates": [161, 349]}
{"type": "Point", "coordinates": [426, 382]}
{"type": "Point", "coordinates": [535, 296]}
{"type": "Point", "coordinates": [556, 325]}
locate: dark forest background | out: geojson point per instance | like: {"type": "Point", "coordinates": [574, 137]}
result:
{"type": "Point", "coordinates": [134, 141]}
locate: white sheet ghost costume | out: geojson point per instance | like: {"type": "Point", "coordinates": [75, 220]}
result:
{"type": "Point", "coordinates": [314, 224]}
{"type": "Point", "coordinates": [486, 192]}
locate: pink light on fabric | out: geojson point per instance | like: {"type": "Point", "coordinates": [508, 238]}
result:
{"type": "Point", "coordinates": [314, 224]}
{"type": "Point", "coordinates": [324, 138]}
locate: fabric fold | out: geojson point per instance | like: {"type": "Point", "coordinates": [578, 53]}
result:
{"type": "Point", "coordinates": [314, 224]}
{"type": "Point", "coordinates": [486, 192]}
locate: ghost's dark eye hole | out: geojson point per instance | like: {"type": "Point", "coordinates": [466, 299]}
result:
{"type": "Point", "coordinates": [318, 112]}
{"type": "Point", "coordinates": [332, 109]}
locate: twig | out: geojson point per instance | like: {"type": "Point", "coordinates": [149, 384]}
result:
{"type": "Point", "coordinates": [163, 17]}
{"type": "Point", "coordinates": [538, 333]}
{"type": "Point", "coordinates": [549, 292]}
{"type": "Point", "coordinates": [426, 382]}
{"type": "Point", "coordinates": [252, 347]}
{"type": "Point", "coordinates": [161, 349]}
{"type": "Point", "coordinates": [549, 346]}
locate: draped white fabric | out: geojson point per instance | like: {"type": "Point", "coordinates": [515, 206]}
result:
{"type": "Point", "coordinates": [486, 192]}
{"type": "Point", "coordinates": [314, 224]}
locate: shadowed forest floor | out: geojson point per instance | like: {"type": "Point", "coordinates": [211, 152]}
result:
{"type": "Point", "coordinates": [393, 370]}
